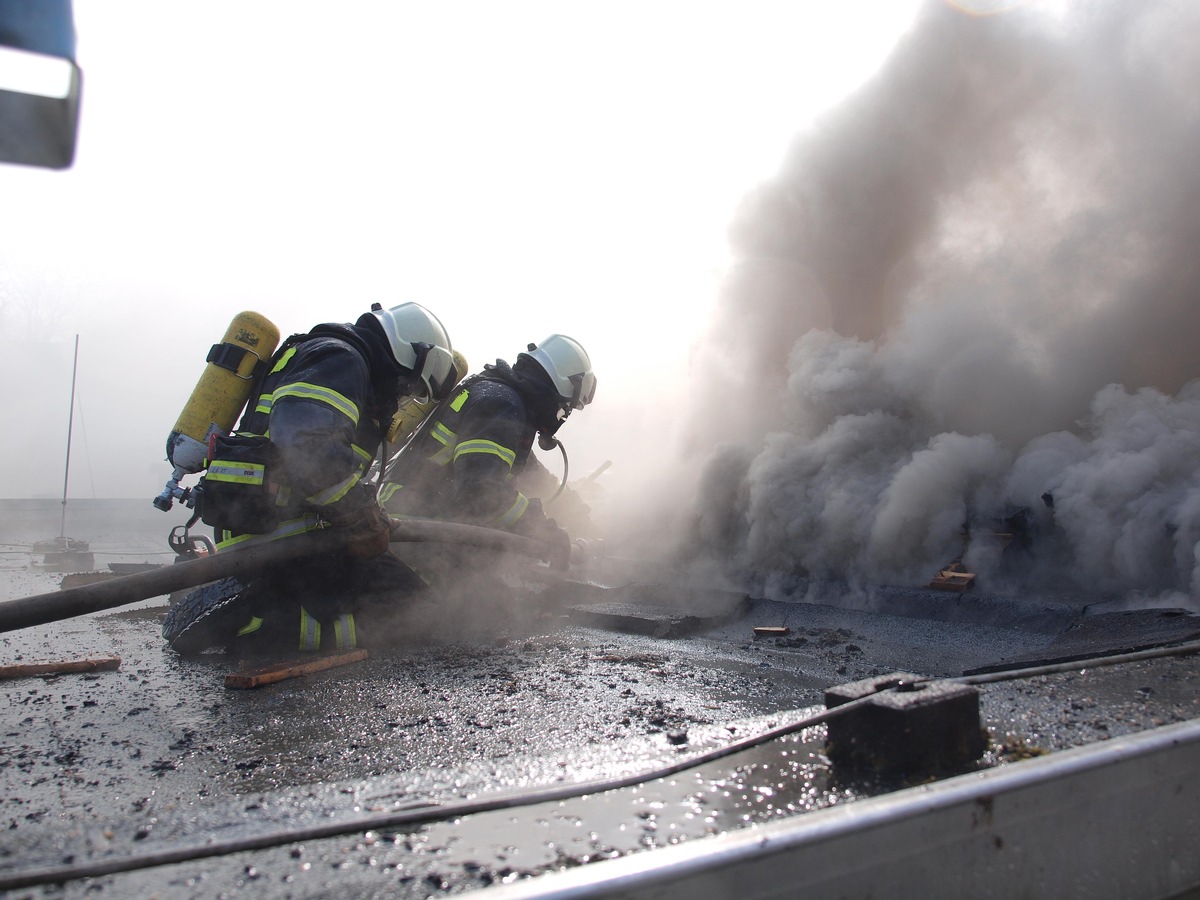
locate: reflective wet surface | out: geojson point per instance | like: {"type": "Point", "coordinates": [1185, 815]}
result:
{"type": "Point", "coordinates": [497, 709]}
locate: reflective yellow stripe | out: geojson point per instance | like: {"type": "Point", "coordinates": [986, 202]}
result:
{"type": "Point", "coordinates": [514, 512]}
{"type": "Point", "coordinates": [487, 447]}
{"type": "Point", "coordinates": [388, 491]}
{"type": "Point", "coordinates": [284, 529]}
{"type": "Point", "coordinates": [240, 473]}
{"type": "Point", "coordinates": [447, 439]}
{"type": "Point", "coordinates": [304, 391]}
{"type": "Point", "coordinates": [336, 492]}
{"type": "Point", "coordinates": [250, 627]}
{"type": "Point", "coordinates": [344, 633]}
{"type": "Point", "coordinates": [284, 360]}
{"type": "Point", "coordinates": [266, 401]}
{"type": "Point", "coordinates": [310, 631]}
{"type": "Point", "coordinates": [457, 403]}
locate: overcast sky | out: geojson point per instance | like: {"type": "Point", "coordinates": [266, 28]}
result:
{"type": "Point", "coordinates": [520, 168]}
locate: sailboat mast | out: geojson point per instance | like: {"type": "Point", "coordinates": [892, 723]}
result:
{"type": "Point", "coordinates": [62, 532]}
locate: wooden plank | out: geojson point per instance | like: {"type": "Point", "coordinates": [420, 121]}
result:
{"type": "Point", "coordinates": [772, 630]}
{"type": "Point", "coordinates": [293, 668]}
{"type": "Point", "coordinates": [96, 664]}
{"type": "Point", "coordinates": [952, 581]}
{"type": "Point", "coordinates": [953, 578]}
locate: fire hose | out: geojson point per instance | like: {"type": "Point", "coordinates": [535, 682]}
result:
{"type": "Point", "coordinates": [89, 598]}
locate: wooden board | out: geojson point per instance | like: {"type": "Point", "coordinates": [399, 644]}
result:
{"type": "Point", "coordinates": [292, 668]}
{"type": "Point", "coordinates": [772, 630]}
{"type": "Point", "coordinates": [26, 670]}
{"type": "Point", "coordinates": [953, 578]}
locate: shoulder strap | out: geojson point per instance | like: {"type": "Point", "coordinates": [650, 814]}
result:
{"type": "Point", "coordinates": [266, 366]}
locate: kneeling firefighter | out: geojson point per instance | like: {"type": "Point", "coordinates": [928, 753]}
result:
{"type": "Point", "coordinates": [462, 462]}
{"type": "Point", "coordinates": [297, 463]}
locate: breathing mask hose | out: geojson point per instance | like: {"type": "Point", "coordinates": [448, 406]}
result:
{"type": "Point", "coordinates": [547, 442]}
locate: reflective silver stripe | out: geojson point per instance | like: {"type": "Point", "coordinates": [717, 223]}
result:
{"type": "Point", "coordinates": [344, 633]}
{"type": "Point", "coordinates": [305, 391]}
{"type": "Point", "coordinates": [336, 492]}
{"type": "Point", "coordinates": [447, 439]}
{"type": "Point", "coordinates": [310, 631]}
{"type": "Point", "coordinates": [239, 473]}
{"type": "Point", "coordinates": [487, 447]}
{"type": "Point", "coordinates": [514, 512]}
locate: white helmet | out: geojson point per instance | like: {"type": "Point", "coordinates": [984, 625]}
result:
{"type": "Point", "coordinates": [420, 344]}
{"type": "Point", "coordinates": [569, 368]}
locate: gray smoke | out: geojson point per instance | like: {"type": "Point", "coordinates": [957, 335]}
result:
{"type": "Point", "coordinates": [975, 283]}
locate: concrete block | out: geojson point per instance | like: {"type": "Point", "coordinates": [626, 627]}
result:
{"type": "Point", "coordinates": [904, 727]}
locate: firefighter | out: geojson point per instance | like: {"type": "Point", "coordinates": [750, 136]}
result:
{"type": "Point", "coordinates": [462, 463]}
{"type": "Point", "coordinates": [313, 428]}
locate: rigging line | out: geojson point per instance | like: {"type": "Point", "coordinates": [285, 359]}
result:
{"type": "Point", "coordinates": [62, 532]}
{"type": "Point", "coordinates": [87, 455]}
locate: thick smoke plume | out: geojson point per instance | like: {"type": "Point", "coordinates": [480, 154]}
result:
{"type": "Point", "coordinates": [969, 305]}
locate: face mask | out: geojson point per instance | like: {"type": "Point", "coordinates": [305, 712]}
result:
{"type": "Point", "coordinates": [546, 439]}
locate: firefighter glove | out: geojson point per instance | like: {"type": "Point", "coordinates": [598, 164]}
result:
{"type": "Point", "coordinates": [368, 531]}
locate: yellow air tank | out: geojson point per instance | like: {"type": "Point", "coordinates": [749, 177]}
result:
{"type": "Point", "coordinates": [222, 390]}
{"type": "Point", "coordinates": [412, 412]}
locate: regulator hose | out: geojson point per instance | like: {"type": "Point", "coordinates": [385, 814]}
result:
{"type": "Point", "coordinates": [566, 468]}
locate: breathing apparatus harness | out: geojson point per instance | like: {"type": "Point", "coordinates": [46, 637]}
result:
{"type": "Point", "coordinates": [526, 377]}
{"type": "Point", "coordinates": [530, 387]}
{"type": "Point", "coordinates": [236, 485]}
{"type": "Point", "coordinates": [180, 539]}
{"type": "Point", "coordinates": [547, 441]}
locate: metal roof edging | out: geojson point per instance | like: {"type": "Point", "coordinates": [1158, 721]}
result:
{"type": "Point", "coordinates": [1119, 819]}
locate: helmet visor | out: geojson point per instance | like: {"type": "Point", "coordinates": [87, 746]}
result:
{"type": "Point", "coordinates": [435, 368]}
{"type": "Point", "coordinates": [583, 389]}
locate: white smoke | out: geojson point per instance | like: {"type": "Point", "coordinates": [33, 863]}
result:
{"type": "Point", "coordinates": [974, 284]}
